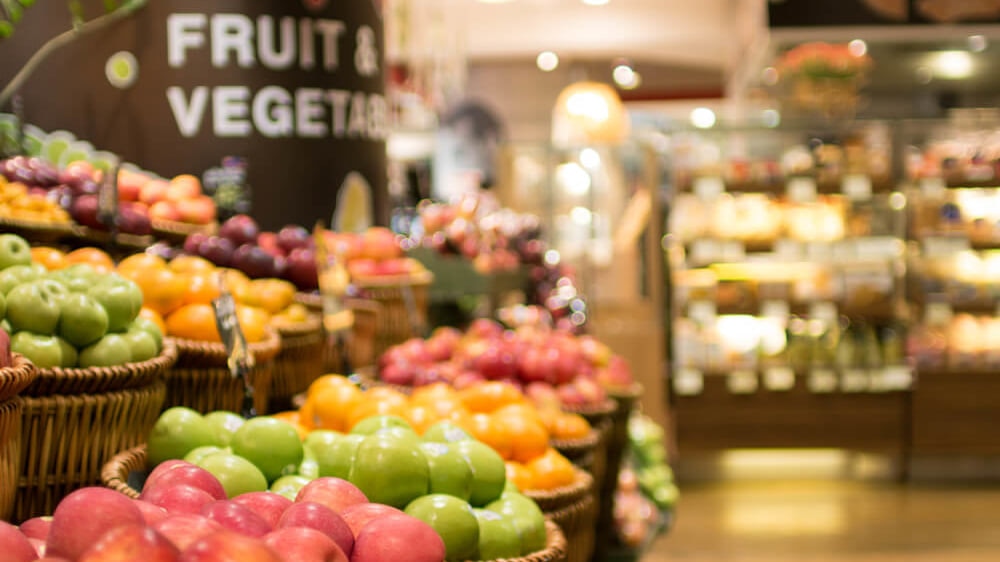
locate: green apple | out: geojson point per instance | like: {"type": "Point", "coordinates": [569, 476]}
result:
{"type": "Point", "coordinates": [489, 473]}
{"type": "Point", "coordinates": [308, 467]}
{"type": "Point", "coordinates": [14, 250]}
{"type": "Point", "coordinates": [3, 305]}
{"type": "Point", "coordinates": [446, 432]}
{"type": "Point", "coordinates": [150, 327]}
{"type": "Point", "coordinates": [374, 424]}
{"type": "Point", "coordinates": [527, 517]}
{"type": "Point", "coordinates": [450, 472]}
{"type": "Point", "coordinates": [141, 345]}
{"type": "Point", "coordinates": [70, 355]}
{"type": "Point", "coordinates": [195, 455]}
{"type": "Point", "coordinates": [77, 278]}
{"type": "Point", "coordinates": [121, 298]}
{"type": "Point", "coordinates": [177, 432]}
{"type": "Point", "coordinates": [43, 351]}
{"type": "Point", "coordinates": [54, 288]}
{"type": "Point", "coordinates": [333, 452]}
{"type": "Point", "coordinates": [82, 321]}
{"type": "Point", "coordinates": [390, 469]}
{"type": "Point", "coordinates": [237, 474]}
{"type": "Point", "coordinates": [453, 519]}
{"type": "Point", "coordinates": [224, 424]}
{"type": "Point", "coordinates": [31, 307]}
{"type": "Point", "coordinates": [112, 349]}
{"type": "Point", "coordinates": [17, 275]}
{"type": "Point", "coordinates": [290, 485]}
{"type": "Point", "coordinates": [271, 444]}
{"type": "Point", "coordinates": [499, 538]}
{"type": "Point", "coordinates": [6, 326]}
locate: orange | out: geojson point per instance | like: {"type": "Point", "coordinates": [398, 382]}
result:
{"type": "Point", "coordinates": [273, 295]}
{"type": "Point", "coordinates": [307, 415]}
{"type": "Point", "coordinates": [527, 436]}
{"type": "Point", "coordinates": [490, 395]}
{"type": "Point", "coordinates": [570, 426]}
{"type": "Point", "coordinates": [50, 258]}
{"type": "Point", "coordinates": [234, 279]}
{"type": "Point", "coordinates": [551, 470]}
{"type": "Point", "coordinates": [432, 392]}
{"type": "Point", "coordinates": [191, 264]}
{"type": "Point", "coordinates": [140, 262]}
{"type": "Point", "coordinates": [385, 393]}
{"type": "Point", "coordinates": [525, 410]}
{"type": "Point", "coordinates": [421, 418]}
{"type": "Point", "coordinates": [519, 475]}
{"type": "Point", "coordinates": [194, 322]}
{"type": "Point", "coordinates": [201, 288]}
{"type": "Point", "coordinates": [485, 429]}
{"type": "Point", "coordinates": [162, 289]}
{"type": "Point", "coordinates": [253, 322]}
{"type": "Point", "coordinates": [331, 406]}
{"type": "Point", "coordinates": [93, 257]}
{"type": "Point", "coordinates": [327, 381]}
{"type": "Point", "coordinates": [368, 408]}
{"type": "Point", "coordinates": [154, 317]}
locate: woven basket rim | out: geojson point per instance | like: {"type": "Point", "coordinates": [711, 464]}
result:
{"type": "Point", "coordinates": [47, 227]}
{"type": "Point", "coordinates": [62, 378]}
{"type": "Point", "coordinates": [262, 350]}
{"type": "Point", "coordinates": [312, 325]}
{"type": "Point", "coordinates": [591, 440]}
{"type": "Point", "coordinates": [168, 353]}
{"type": "Point", "coordinates": [605, 408]}
{"type": "Point", "coordinates": [415, 279]}
{"type": "Point", "coordinates": [17, 377]}
{"type": "Point", "coordinates": [555, 547]}
{"type": "Point", "coordinates": [180, 227]}
{"type": "Point", "coordinates": [579, 488]}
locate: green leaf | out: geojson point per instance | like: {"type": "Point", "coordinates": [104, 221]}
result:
{"type": "Point", "coordinates": [27, 3]}
{"type": "Point", "coordinates": [14, 10]}
{"type": "Point", "coordinates": [110, 5]}
{"type": "Point", "coordinates": [6, 29]}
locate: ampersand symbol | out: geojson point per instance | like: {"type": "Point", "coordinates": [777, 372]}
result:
{"type": "Point", "coordinates": [366, 53]}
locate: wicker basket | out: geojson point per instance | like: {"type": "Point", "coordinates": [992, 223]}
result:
{"type": "Point", "coordinates": [10, 454]}
{"type": "Point", "coordinates": [201, 379]}
{"type": "Point", "coordinates": [361, 345]}
{"type": "Point", "coordinates": [16, 378]}
{"type": "Point", "coordinates": [102, 379]}
{"type": "Point", "coordinates": [298, 363]}
{"type": "Point", "coordinates": [573, 509]}
{"type": "Point", "coordinates": [581, 452]}
{"type": "Point", "coordinates": [396, 324]}
{"type": "Point", "coordinates": [176, 232]}
{"type": "Point", "coordinates": [67, 439]}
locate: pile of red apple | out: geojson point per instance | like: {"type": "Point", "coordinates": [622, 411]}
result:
{"type": "Point", "coordinates": [550, 366]}
{"type": "Point", "coordinates": [290, 253]}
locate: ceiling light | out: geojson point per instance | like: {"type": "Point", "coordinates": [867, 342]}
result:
{"type": "Point", "coordinates": [634, 83]}
{"type": "Point", "coordinates": [953, 65]}
{"type": "Point", "coordinates": [977, 43]}
{"type": "Point", "coordinates": [589, 113]}
{"type": "Point", "coordinates": [702, 117]}
{"type": "Point", "coordinates": [625, 76]}
{"type": "Point", "coordinates": [547, 61]}
{"type": "Point", "coordinates": [857, 47]}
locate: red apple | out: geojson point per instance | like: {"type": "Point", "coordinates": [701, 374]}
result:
{"type": "Point", "coordinates": [268, 241]}
{"type": "Point", "coordinates": [302, 544]}
{"type": "Point", "coordinates": [161, 469]}
{"type": "Point", "coordinates": [192, 242]}
{"type": "Point", "coordinates": [153, 191]}
{"type": "Point", "coordinates": [496, 363]}
{"type": "Point", "coordinates": [165, 211]}
{"type": "Point", "coordinates": [197, 210]}
{"type": "Point", "coordinates": [292, 236]}
{"type": "Point", "coordinates": [320, 517]}
{"type": "Point", "coordinates": [130, 185]}
{"type": "Point", "coordinates": [37, 527]}
{"type": "Point", "coordinates": [362, 267]}
{"type": "Point", "coordinates": [131, 543]}
{"type": "Point", "coordinates": [188, 474]}
{"type": "Point", "coordinates": [617, 374]}
{"type": "Point", "coordinates": [467, 379]}
{"type": "Point", "coordinates": [393, 266]}
{"type": "Point", "coordinates": [217, 250]}
{"type": "Point", "coordinates": [227, 546]}
{"type": "Point", "coordinates": [393, 538]}
{"type": "Point", "coordinates": [254, 261]}
{"type": "Point", "coordinates": [402, 374]}
{"type": "Point", "coordinates": [336, 493]}
{"type": "Point", "coordinates": [178, 498]}
{"type": "Point", "coordinates": [240, 229]}
{"type": "Point", "coordinates": [152, 514]}
{"type": "Point", "coordinates": [543, 395]}
{"type": "Point", "coordinates": [39, 546]}
{"type": "Point", "coordinates": [484, 328]}
{"type": "Point", "coordinates": [184, 528]}
{"type": "Point", "coordinates": [357, 516]}
{"type": "Point", "coordinates": [236, 517]}
{"type": "Point", "coordinates": [17, 548]}
{"type": "Point", "coordinates": [83, 516]}
{"type": "Point", "coordinates": [302, 268]}
{"type": "Point", "coordinates": [268, 505]}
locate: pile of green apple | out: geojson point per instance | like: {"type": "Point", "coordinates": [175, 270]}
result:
{"type": "Point", "coordinates": [72, 317]}
{"type": "Point", "coordinates": [446, 478]}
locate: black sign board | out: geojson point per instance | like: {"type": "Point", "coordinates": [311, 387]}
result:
{"type": "Point", "coordinates": [830, 13]}
{"type": "Point", "coordinates": [295, 87]}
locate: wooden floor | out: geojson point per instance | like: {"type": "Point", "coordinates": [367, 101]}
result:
{"type": "Point", "coordinates": [833, 521]}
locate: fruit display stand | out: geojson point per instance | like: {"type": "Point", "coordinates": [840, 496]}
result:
{"type": "Point", "coordinates": [456, 277]}
{"type": "Point", "coordinates": [13, 380]}
{"type": "Point", "coordinates": [75, 419]}
{"type": "Point", "coordinates": [361, 342]}
{"type": "Point", "coordinates": [176, 232]}
{"type": "Point", "coordinates": [403, 305]}
{"type": "Point", "coordinates": [202, 381]}
{"type": "Point", "coordinates": [298, 363]}
{"type": "Point", "coordinates": [574, 509]}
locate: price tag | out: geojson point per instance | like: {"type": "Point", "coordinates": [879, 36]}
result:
{"type": "Point", "coordinates": [932, 188]}
{"type": "Point", "coordinates": [706, 251]}
{"type": "Point", "coordinates": [854, 380]}
{"type": "Point", "coordinates": [240, 360]}
{"type": "Point", "coordinates": [801, 190]}
{"type": "Point", "coordinates": [775, 309]}
{"type": "Point", "coordinates": [779, 379]}
{"type": "Point", "coordinates": [742, 382]}
{"type": "Point", "coordinates": [107, 199]}
{"type": "Point", "coordinates": [899, 377]}
{"type": "Point", "coordinates": [946, 246]}
{"type": "Point", "coordinates": [689, 382]}
{"type": "Point", "coordinates": [857, 187]}
{"type": "Point", "coordinates": [702, 312]}
{"type": "Point", "coordinates": [822, 381]}
{"type": "Point", "coordinates": [709, 188]}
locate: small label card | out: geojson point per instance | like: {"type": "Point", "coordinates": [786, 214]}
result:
{"type": "Point", "coordinates": [779, 379]}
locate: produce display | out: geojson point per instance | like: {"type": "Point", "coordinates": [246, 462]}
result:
{"type": "Point", "coordinates": [221, 466]}
{"type": "Point", "coordinates": [551, 366]}
{"type": "Point", "coordinates": [62, 311]}
{"type": "Point", "coordinates": [493, 412]}
{"type": "Point", "coordinates": [19, 202]}
{"type": "Point", "coordinates": [646, 491]}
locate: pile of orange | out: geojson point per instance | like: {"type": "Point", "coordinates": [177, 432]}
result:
{"type": "Point", "coordinates": [495, 413]}
{"type": "Point", "coordinates": [178, 295]}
